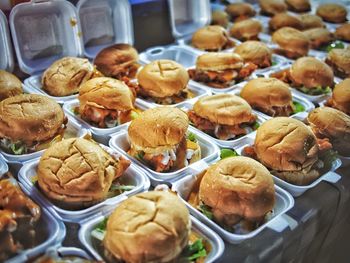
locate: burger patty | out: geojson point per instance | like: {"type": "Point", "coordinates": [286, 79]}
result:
{"type": "Point", "coordinates": [337, 70]}
{"type": "Point", "coordinates": [229, 44]}
{"type": "Point", "coordinates": [287, 53]}
{"type": "Point", "coordinates": [177, 98]}
{"type": "Point", "coordinates": [277, 111]}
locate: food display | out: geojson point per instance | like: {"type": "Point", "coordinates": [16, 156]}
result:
{"type": "Point", "coordinates": [10, 85]}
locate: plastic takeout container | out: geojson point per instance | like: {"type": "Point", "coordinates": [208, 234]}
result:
{"type": "Point", "coordinates": [104, 23]}
{"type": "Point", "coordinates": [217, 245]}
{"type": "Point", "coordinates": [62, 252]}
{"type": "Point", "coordinates": [284, 202]}
{"type": "Point", "coordinates": [7, 60]}
{"type": "Point", "coordinates": [132, 176]}
{"type": "Point", "coordinates": [3, 166]}
{"type": "Point", "coordinates": [209, 150]}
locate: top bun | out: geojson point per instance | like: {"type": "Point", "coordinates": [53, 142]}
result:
{"type": "Point", "coordinates": [114, 61]}
{"type": "Point", "coordinates": [163, 78]}
{"type": "Point", "coordinates": [240, 11]}
{"type": "Point", "coordinates": [29, 118]}
{"type": "Point", "coordinates": [298, 5]}
{"type": "Point", "coordinates": [210, 38]}
{"type": "Point", "coordinates": [219, 18]}
{"type": "Point", "coordinates": [255, 52]}
{"type": "Point", "coordinates": [318, 37]}
{"type": "Point", "coordinates": [216, 61]}
{"type": "Point", "coordinates": [248, 29]}
{"type": "Point", "coordinates": [311, 21]}
{"type": "Point", "coordinates": [148, 227]}
{"type": "Point", "coordinates": [226, 109]}
{"type": "Point", "coordinates": [311, 72]}
{"type": "Point", "coordinates": [161, 127]}
{"type": "Point", "coordinates": [341, 96]}
{"type": "Point", "coordinates": [285, 20]}
{"type": "Point", "coordinates": [333, 13]}
{"type": "Point", "coordinates": [272, 7]}
{"type": "Point", "coordinates": [65, 75]}
{"type": "Point", "coordinates": [10, 85]}
{"type": "Point", "coordinates": [340, 61]}
{"type": "Point", "coordinates": [343, 32]}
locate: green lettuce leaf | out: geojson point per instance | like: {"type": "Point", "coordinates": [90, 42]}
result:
{"type": "Point", "coordinates": [335, 44]}
{"type": "Point", "coordinates": [298, 107]}
{"type": "Point", "coordinates": [316, 90]}
{"type": "Point", "coordinates": [225, 153]}
{"type": "Point", "coordinates": [192, 137]}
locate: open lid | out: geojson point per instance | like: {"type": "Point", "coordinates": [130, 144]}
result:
{"type": "Point", "coordinates": [44, 31]}
{"type": "Point", "coordinates": [6, 62]}
{"type": "Point", "coordinates": [187, 16]}
{"type": "Point", "coordinates": [104, 23]}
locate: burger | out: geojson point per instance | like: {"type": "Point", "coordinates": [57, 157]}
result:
{"type": "Point", "coordinates": [212, 38]}
{"type": "Point", "coordinates": [341, 97]}
{"type": "Point", "coordinates": [240, 11]}
{"type": "Point", "coordinates": [106, 102]}
{"type": "Point", "coordinates": [223, 116]}
{"type": "Point", "coordinates": [334, 125]}
{"type": "Point", "coordinates": [319, 37]}
{"type": "Point", "coordinates": [219, 18]}
{"type": "Point", "coordinates": [10, 85]}
{"type": "Point", "coordinates": [298, 6]}
{"type": "Point", "coordinates": [292, 42]}
{"type": "Point", "coordinates": [343, 32]}
{"type": "Point", "coordinates": [164, 82]}
{"type": "Point", "coordinates": [247, 29]}
{"type": "Point", "coordinates": [117, 61]}
{"type": "Point", "coordinates": [270, 96]}
{"type": "Point", "coordinates": [153, 226]}
{"type": "Point", "coordinates": [284, 20]}
{"type": "Point", "coordinates": [255, 52]}
{"type": "Point", "coordinates": [272, 7]}
{"type": "Point", "coordinates": [77, 173]}
{"type": "Point", "coordinates": [159, 139]}
{"type": "Point", "coordinates": [290, 150]}
{"type": "Point", "coordinates": [311, 21]}
{"type": "Point", "coordinates": [333, 13]}
{"type": "Point", "coordinates": [309, 75]}
{"type": "Point", "coordinates": [220, 70]}
{"type": "Point", "coordinates": [339, 61]}
{"type": "Point", "coordinates": [237, 190]}
{"type": "Point", "coordinates": [65, 76]}
{"type": "Point", "coordinates": [29, 123]}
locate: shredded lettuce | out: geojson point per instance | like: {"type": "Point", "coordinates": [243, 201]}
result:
{"type": "Point", "coordinates": [100, 230]}
{"type": "Point", "coordinates": [196, 250]}
{"type": "Point", "coordinates": [274, 63]}
{"type": "Point", "coordinates": [256, 125]}
{"type": "Point", "coordinates": [75, 110]}
{"type": "Point", "coordinates": [316, 90]}
{"type": "Point", "coordinates": [335, 44]}
{"type": "Point", "coordinates": [140, 155]}
{"type": "Point", "coordinates": [328, 157]}
{"type": "Point", "coordinates": [18, 148]}
{"type": "Point", "coordinates": [225, 153]}
{"type": "Point", "coordinates": [206, 210]}
{"type": "Point", "coordinates": [192, 137]}
{"type": "Point", "coordinates": [298, 107]}
{"type": "Point", "coordinates": [134, 115]}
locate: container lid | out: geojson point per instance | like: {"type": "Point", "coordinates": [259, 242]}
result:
{"type": "Point", "coordinates": [187, 16]}
{"type": "Point", "coordinates": [44, 31]}
{"type": "Point", "coordinates": [104, 23]}
{"type": "Point", "coordinates": [6, 62]}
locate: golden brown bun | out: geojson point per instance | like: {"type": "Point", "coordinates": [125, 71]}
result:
{"type": "Point", "coordinates": [226, 109]}
{"type": "Point", "coordinates": [284, 19]}
{"type": "Point", "coordinates": [340, 61]}
{"type": "Point", "coordinates": [343, 32]}
{"type": "Point", "coordinates": [333, 13]}
{"type": "Point", "coordinates": [163, 78]}
{"type": "Point", "coordinates": [341, 96]}
{"type": "Point", "coordinates": [65, 75]}
{"type": "Point", "coordinates": [272, 7]}
{"type": "Point", "coordinates": [246, 29]}
{"type": "Point", "coordinates": [311, 72]}
{"type": "Point", "coordinates": [10, 85]}
{"type": "Point", "coordinates": [238, 187]}
{"type": "Point", "coordinates": [29, 118]}
{"type": "Point", "coordinates": [255, 52]}
{"type": "Point", "coordinates": [148, 227]}
{"type": "Point", "coordinates": [77, 172]}
{"type": "Point", "coordinates": [216, 61]}
{"type": "Point", "coordinates": [333, 124]}
{"type": "Point", "coordinates": [286, 144]}
{"type": "Point", "coordinates": [311, 21]}
{"type": "Point", "coordinates": [106, 93]}
{"type": "Point", "coordinates": [240, 10]}
{"type": "Point", "coordinates": [265, 93]}
{"type": "Point", "coordinates": [292, 40]}
{"type": "Point", "coordinates": [210, 38]}
{"type": "Point", "coordinates": [318, 37]}
{"type": "Point", "coordinates": [219, 18]}
{"type": "Point", "coordinates": [158, 127]}
{"type": "Point", "coordinates": [298, 5]}
{"type": "Point", "coordinates": [112, 61]}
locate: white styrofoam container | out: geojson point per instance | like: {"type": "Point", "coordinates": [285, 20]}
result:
{"type": "Point", "coordinates": [7, 60]}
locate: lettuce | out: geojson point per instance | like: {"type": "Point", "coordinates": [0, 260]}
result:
{"type": "Point", "coordinates": [192, 137]}
{"type": "Point", "coordinates": [316, 90]}
{"type": "Point", "coordinates": [225, 153]}
{"type": "Point", "coordinates": [298, 107]}
{"type": "Point", "coordinates": [335, 44]}
{"type": "Point", "coordinates": [100, 230]}
{"type": "Point", "coordinates": [206, 210]}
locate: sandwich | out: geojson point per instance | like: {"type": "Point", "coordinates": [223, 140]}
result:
{"type": "Point", "coordinates": [333, 13]}
{"type": "Point", "coordinates": [270, 96]}
{"type": "Point", "coordinates": [117, 61]}
{"type": "Point", "coordinates": [240, 11]}
{"type": "Point", "coordinates": [212, 38]}
{"type": "Point", "coordinates": [311, 21]}
{"type": "Point", "coordinates": [343, 32]}
{"type": "Point", "coordinates": [164, 82]}
{"type": "Point", "coordinates": [10, 85]}
{"type": "Point", "coordinates": [298, 6]}
{"type": "Point", "coordinates": [106, 102]}
{"type": "Point", "coordinates": [292, 42]}
{"type": "Point", "coordinates": [272, 7]}
{"type": "Point", "coordinates": [319, 38]}
{"type": "Point", "coordinates": [339, 60]}
{"type": "Point", "coordinates": [284, 20]}
{"type": "Point", "coordinates": [340, 99]}
{"type": "Point", "coordinates": [238, 193]}
{"type": "Point", "coordinates": [77, 173]}
{"type": "Point", "coordinates": [290, 150]}
{"type": "Point", "coordinates": [223, 116]}
{"type": "Point", "coordinates": [219, 18]}
{"type": "Point", "coordinates": [221, 70]}
{"type": "Point", "coordinates": [309, 75]}
{"type": "Point", "coordinates": [30, 123]}
{"type": "Point", "coordinates": [255, 52]}
{"type": "Point", "coordinates": [160, 140]}
{"type": "Point", "coordinates": [247, 29]}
